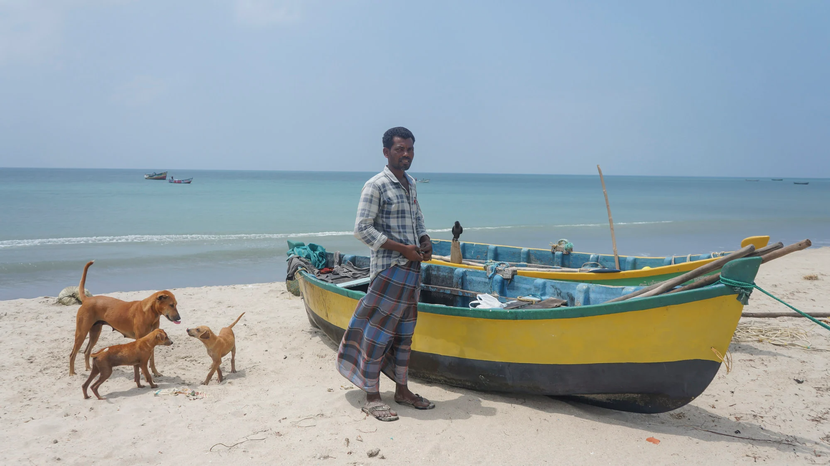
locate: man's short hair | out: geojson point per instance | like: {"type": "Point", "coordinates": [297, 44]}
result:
{"type": "Point", "coordinates": [398, 131]}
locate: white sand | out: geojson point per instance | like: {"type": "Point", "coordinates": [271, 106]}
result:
{"type": "Point", "coordinates": [288, 405]}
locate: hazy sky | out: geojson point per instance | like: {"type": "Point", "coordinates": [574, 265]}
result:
{"type": "Point", "coordinates": [708, 88]}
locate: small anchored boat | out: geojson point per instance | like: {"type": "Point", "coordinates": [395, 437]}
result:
{"type": "Point", "coordinates": [156, 176]}
{"type": "Point", "coordinates": [184, 181]}
{"type": "Point", "coordinates": [801, 182]}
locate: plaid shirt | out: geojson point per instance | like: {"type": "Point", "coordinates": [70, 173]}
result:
{"type": "Point", "coordinates": [386, 211]}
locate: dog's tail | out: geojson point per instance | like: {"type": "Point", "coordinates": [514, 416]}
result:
{"type": "Point", "coordinates": [81, 292]}
{"type": "Point", "coordinates": [237, 320]}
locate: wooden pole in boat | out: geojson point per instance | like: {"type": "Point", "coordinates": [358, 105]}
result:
{"type": "Point", "coordinates": [766, 255]}
{"type": "Point", "coordinates": [664, 286]}
{"type": "Point", "coordinates": [610, 219]}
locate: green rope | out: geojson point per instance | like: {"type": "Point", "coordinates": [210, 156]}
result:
{"type": "Point", "coordinates": [744, 289]}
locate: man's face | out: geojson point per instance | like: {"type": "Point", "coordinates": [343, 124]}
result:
{"type": "Point", "coordinates": [401, 153]}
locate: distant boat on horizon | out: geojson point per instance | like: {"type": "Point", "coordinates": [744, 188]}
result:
{"type": "Point", "coordinates": [801, 182]}
{"type": "Point", "coordinates": [184, 181]}
{"type": "Point", "coordinates": [778, 179]}
{"type": "Point", "coordinates": [752, 180]}
{"type": "Point", "coordinates": [156, 176]}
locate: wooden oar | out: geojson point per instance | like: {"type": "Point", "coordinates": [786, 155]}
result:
{"type": "Point", "coordinates": [661, 287]}
{"type": "Point", "coordinates": [610, 220]}
{"type": "Point", "coordinates": [766, 256]}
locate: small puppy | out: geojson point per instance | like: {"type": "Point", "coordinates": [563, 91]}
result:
{"type": "Point", "coordinates": [135, 354]}
{"type": "Point", "coordinates": [217, 346]}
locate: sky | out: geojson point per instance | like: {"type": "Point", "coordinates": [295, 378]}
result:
{"type": "Point", "coordinates": [697, 88]}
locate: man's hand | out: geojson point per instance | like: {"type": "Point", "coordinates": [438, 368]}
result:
{"type": "Point", "coordinates": [412, 253]}
{"type": "Point", "coordinates": [426, 247]}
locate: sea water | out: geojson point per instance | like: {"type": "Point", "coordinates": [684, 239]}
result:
{"type": "Point", "coordinates": [231, 227]}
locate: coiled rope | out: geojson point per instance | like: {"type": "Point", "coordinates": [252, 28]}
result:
{"type": "Point", "coordinates": [725, 359]}
{"type": "Point", "coordinates": [493, 266]}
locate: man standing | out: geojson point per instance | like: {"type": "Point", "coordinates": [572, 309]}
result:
{"type": "Point", "coordinates": [379, 337]}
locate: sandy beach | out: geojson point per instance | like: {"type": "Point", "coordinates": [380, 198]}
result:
{"type": "Point", "coordinates": [288, 405]}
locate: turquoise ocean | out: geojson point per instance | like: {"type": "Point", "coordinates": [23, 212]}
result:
{"type": "Point", "coordinates": [231, 227]}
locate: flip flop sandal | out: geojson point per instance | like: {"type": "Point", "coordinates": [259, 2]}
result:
{"type": "Point", "coordinates": [414, 404]}
{"type": "Point", "coordinates": [380, 411]}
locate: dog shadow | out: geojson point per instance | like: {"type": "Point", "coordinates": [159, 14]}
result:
{"type": "Point", "coordinates": [121, 378]}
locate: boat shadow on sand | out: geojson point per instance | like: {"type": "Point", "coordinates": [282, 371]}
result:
{"type": "Point", "coordinates": [750, 350]}
{"type": "Point", "coordinates": [691, 420]}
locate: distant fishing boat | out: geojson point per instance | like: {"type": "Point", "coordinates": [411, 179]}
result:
{"type": "Point", "coordinates": [801, 182]}
{"type": "Point", "coordinates": [423, 180]}
{"type": "Point", "coordinates": [752, 180]}
{"type": "Point", "coordinates": [778, 179]}
{"type": "Point", "coordinates": [184, 181]}
{"type": "Point", "coordinates": [156, 176]}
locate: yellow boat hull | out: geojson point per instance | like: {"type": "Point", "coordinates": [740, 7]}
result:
{"type": "Point", "coordinates": [644, 355]}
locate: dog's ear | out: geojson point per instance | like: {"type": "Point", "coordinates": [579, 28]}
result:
{"type": "Point", "coordinates": [161, 335]}
{"type": "Point", "coordinates": [162, 297]}
{"type": "Point", "coordinates": [204, 336]}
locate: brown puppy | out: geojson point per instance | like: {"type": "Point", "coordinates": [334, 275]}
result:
{"type": "Point", "coordinates": [133, 319]}
{"type": "Point", "coordinates": [135, 354]}
{"type": "Point", "coordinates": [217, 347]}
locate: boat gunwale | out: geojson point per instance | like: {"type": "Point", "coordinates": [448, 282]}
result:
{"type": "Point", "coordinates": [593, 276]}
{"type": "Point", "coordinates": [578, 252]}
{"type": "Point", "coordinates": [590, 310]}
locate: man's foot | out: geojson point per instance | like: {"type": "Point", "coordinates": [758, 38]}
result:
{"type": "Point", "coordinates": [380, 411]}
{"type": "Point", "coordinates": [416, 401]}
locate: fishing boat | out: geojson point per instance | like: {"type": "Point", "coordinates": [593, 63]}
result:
{"type": "Point", "coordinates": [647, 355]}
{"type": "Point", "coordinates": [777, 179]}
{"type": "Point", "coordinates": [555, 264]}
{"type": "Point", "coordinates": [184, 181]}
{"type": "Point", "coordinates": [801, 182]}
{"type": "Point", "coordinates": [155, 176]}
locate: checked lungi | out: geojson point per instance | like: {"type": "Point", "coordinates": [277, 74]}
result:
{"type": "Point", "coordinates": [379, 337]}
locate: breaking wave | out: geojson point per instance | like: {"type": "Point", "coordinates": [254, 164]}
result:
{"type": "Point", "coordinates": [137, 239]}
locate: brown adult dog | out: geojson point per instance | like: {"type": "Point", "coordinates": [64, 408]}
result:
{"type": "Point", "coordinates": [217, 347]}
{"type": "Point", "coordinates": [133, 319]}
{"type": "Point", "coordinates": [135, 353]}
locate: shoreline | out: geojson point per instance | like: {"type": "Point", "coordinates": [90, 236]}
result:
{"type": "Point", "coordinates": [287, 403]}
